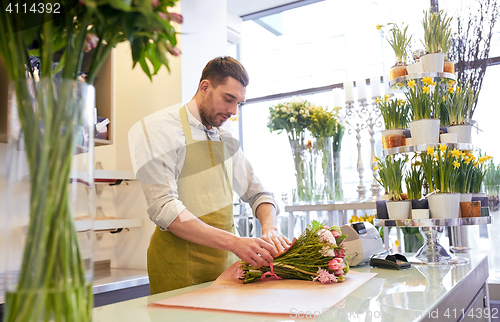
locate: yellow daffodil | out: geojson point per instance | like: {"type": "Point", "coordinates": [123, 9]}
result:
{"type": "Point", "coordinates": [427, 80]}
{"type": "Point", "coordinates": [375, 168]}
{"type": "Point", "coordinates": [488, 157]}
{"type": "Point", "coordinates": [377, 159]}
{"type": "Point", "coordinates": [482, 159]}
{"type": "Point", "coordinates": [426, 89]}
{"type": "Point", "coordinates": [450, 90]}
{"type": "Point", "coordinates": [456, 153]}
{"type": "Point", "coordinates": [467, 160]}
{"type": "Point", "coordinates": [378, 100]}
{"type": "Point", "coordinates": [476, 163]}
{"type": "Point", "coordinates": [387, 97]}
{"type": "Point", "coordinates": [397, 243]}
{"type": "Point", "coordinates": [456, 164]}
{"type": "Point", "coordinates": [379, 27]}
{"type": "Point", "coordinates": [450, 82]}
{"type": "Point", "coordinates": [442, 148]}
{"type": "Point", "coordinates": [401, 102]}
{"type": "Point", "coordinates": [459, 89]}
{"type": "Point", "coordinates": [430, 150]}
{"type": "Point", "coordinates": [411, 83]}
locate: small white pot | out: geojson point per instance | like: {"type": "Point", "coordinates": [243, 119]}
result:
{"type": "Point", "coordinates": [479, 194]}
{"type": "Point", "coordinates": [420, 214]}
{"type": "Point", "coordinates": [432, 63]}
{"type": "Point", "coordinates": [448, 138]}
{"type": "Point", "coordinates": [444, 205]}
{"type": "Point", "coordinates": [463, 132]}
{"type": "Point", "coordinates": [398, 209]}
{"type": "Point", "coordinates": [425, 131]}
{"type": "Point", "coordinates": [408, 141]}
{"type": "Point", "coordinates": [384, 197]}
{"type": "Point", "coordinates": [415, 68]}
{"type": "Point", "coordinates": [465, 197]}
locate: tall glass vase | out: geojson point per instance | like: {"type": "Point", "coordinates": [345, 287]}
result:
{"type": "Point", "coordinates": [323, 174]}
{"type": "Point", "coordinates": [49, 264]}
{"type": "Point", "coordinates": [337, 177]}
{"type": "Point", "coordinates": [303, 171]}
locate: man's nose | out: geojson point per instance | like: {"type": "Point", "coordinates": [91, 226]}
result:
{"type": "Point", "coordinates": [233, 109]}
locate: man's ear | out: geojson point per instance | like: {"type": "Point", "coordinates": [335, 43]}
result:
{"type": "Point", "coordinates": [204, 86]}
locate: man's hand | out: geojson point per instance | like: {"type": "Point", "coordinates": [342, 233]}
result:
{"type": "Point", "coordinates": [271, 235]}
{"type": "Point", "coordinates": [255, 251]}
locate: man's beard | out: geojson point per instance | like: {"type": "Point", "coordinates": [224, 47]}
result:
{"type": "Point", "coordinates": [207, 118]}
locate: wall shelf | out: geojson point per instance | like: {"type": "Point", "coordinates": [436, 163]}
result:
{"type": "Point", "coordinates": [82, 225]}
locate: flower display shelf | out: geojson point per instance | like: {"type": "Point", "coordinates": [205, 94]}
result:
{"type": "Point", "coordinates": [423, 147]}
{"type": "Point", "coordinates": [432, 252]}
{"type": "Point", "coordinates": [399, 84]}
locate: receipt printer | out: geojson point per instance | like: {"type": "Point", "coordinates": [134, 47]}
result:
{"type": "Point", "coordinates": [363, 240]}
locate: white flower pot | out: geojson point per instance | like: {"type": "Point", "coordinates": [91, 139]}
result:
{"type": "Point", "coordinates": [415, 68]}
{"type": "Point", "coordinates": [444, 205]}
{"type": "Point", "coordinates": [463, 132]}
{"type": "Point", "coordinates": [384, 197]}
{"type": "Point", "coordinates": [425, 131]}
{"type": "Point", "coordinates": [448, 138]}
{"type": "Point", "coordinates": [478, 194]}
{"type": "Point", "coordinates": [398, 209]}
{"type": "Point", "coordinates": [420, 214]}
{"type": "Point", "coordinates": [433, 62]}
{"type": "Point", "coordinates": [408, 141]}
{"type": "Point", "coordinates": [465, 197]}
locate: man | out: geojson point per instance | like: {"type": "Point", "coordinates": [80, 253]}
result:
{"type": "Point", "coordinates": [188, 168]}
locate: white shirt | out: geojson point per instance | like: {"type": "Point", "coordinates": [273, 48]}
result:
{"type": "Point", "coordinates": [158, 151]}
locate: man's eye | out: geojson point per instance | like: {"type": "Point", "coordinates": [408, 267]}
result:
{"type": "Point", "coordinates": [228, 100]}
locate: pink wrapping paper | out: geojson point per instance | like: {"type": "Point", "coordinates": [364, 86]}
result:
{"type": "Point", "coordinates": [269, 296]}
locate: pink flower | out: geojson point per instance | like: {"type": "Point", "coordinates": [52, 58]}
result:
{"type": "Point", "coordinates": [173, 50]}
{"type": "Point", "coordinates": [90, 42]}
{"type": "Point", "coordinates": [175, 17]}
{"type": "Point", "coordinates": [163, 15]}
{"type": "Point", "coordinates": [336, 233]}
{"type": "Point", "coordinates": [339, 272]}
{"type": "Point", "coordinates": [326, 235]}
{"type": "Point", "coordinates": [155, 3]}
{"type": "Point", "coordinates": [325, 277]}
{"type": "Point", "coordinates": [334, 265]}
{"type": "Point", "coordinates": [340, 253]}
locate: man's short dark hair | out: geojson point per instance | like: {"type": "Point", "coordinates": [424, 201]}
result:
{"type": "Point", "coordinates": [218, 69]}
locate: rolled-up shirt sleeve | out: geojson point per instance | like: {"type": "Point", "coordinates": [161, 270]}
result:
{"type": "Point", "coordinates": [245, 182]}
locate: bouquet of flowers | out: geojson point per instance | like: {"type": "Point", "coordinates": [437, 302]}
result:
{"type": "Point", "coordinates": [317, 255]}
{"type": "Point", "coordinates": [293, 117]}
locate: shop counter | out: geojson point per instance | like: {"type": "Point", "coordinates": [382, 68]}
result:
{"type": "Point", "coordinates": [421, 293]}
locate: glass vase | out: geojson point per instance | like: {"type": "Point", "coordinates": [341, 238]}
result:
{"type": "Point", "coordinates": [323, 166]}
{"type": "Point", "coordinates": [493, 193]}
{"type": "Point", "coordinates": [337, 177]}
{"type": "Point", "coordinates": [303, 171]}
{"type": "Point", "coordinates": [413, 239]}
{"type": "Point", "coordinates": [49, 263]}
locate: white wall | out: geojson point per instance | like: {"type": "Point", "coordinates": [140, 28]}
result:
{"type": "Point", "coordinates": [204, 37]}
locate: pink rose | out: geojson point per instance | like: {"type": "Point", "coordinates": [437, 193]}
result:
{"type": "Point", "coordinates": [336, 233]}
{"type": "Point", "coordinates": [339, 272]}
{"type": "Point", "coordinates": [326, 235]}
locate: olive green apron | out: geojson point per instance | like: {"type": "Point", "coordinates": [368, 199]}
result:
{"type": "Point", "coordinates": [205, 184]}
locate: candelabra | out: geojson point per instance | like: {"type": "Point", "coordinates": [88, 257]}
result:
{"type": "Point", "coordinates": [365, 116]}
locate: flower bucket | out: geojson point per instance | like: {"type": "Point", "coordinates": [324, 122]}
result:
{"type": "Point", "coordinates": [433, 63]}
{"type": "Point", "coordinates": [448, 138]}
{"type": "Point", "coordinates": [393, 138]}
{"type": "Point", "coordinates": [425, 131]}
{"type": "Point", "coordinates": [415, 68]}
{"type": "Point", "coordinates": [465, 197]}
{"type": "Point", "coordinates": [420, 214]}
{"type": "Point", "coordinates": [466, 209]}
{"type": "Point", "coordinates": [398, 209]}
{"type": "Point", "coordinates": [449, 67]}
{"type": "Point", "coordinates": [49, 265]}
{"type": "Point", "coordinates": [419, 204]}
{"type": "Point", "coordinates": [381, 209]}
{"type": "Point", "coordinates": [463, 132]}
{"type": "Point", "coordinates": [444, 205]}
{"type": "Point", "coordinates": [397, 71]}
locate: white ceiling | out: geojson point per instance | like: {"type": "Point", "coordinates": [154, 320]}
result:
{"type": "Point", "coordinates": [245, 7]}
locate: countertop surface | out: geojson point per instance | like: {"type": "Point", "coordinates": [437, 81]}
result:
{"type": "Point", "coordinates": [415, 294]}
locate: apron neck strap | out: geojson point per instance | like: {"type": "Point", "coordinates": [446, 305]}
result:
{"type": "Point", "coordinates": [185, 124]}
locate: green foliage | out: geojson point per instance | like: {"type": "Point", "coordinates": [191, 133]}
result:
{"type": "Point", "coordinates": [395, 112]}
{"type": "Point", "coordinates": [458, 103]}
{"type": "Point", "coordinates": [399, 41]}
{"type": "Point", "coordinates": [437, 31]}
{"type": "Point", "coordinates": [414, 179]}
{"type": "Point", "coordinates": [390, 171]}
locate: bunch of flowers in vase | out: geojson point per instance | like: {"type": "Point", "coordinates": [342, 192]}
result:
{"type": "Point", "coordinates": [325, 127]}
{"type": "Point", "coordinates": [53, 282]}
{"type": "Point", "coordinates": [294, 117]}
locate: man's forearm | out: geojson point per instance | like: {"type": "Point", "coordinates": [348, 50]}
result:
{"type": "Point", "coordinates": [266, 213]}
{"type": "Point", "coordinates": [189, 227]}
